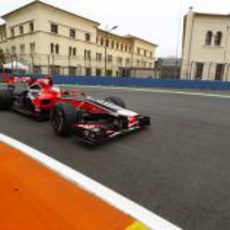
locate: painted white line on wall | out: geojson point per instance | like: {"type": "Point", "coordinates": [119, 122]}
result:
{"type": "Point", "coordinates": [120, 202]}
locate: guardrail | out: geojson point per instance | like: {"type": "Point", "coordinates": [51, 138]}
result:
{"type": "Point", "coordinates": [138, 82]}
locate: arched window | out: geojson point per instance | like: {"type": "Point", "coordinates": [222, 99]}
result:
{"type": "Point", "coordinates": [74, 51]}
{"type": "Point", "coordinates": [208, 40]}
{"type": "Point", "coordinates": [218, 38]}
{"type": "Point", "coordinates": [70, 51]}
{"type": "Point", "coordinates": [107, 42]}
{"type": "Point", "coordinates": [112, 44]}
{"type": "Point", "coordinates": [102, 41]}
{"type": "Point", "coordinates": [57, 49]}
{"type": "Point", "coordinates": [51, 47]}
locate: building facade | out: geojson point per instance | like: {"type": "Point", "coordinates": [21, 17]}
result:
{"type": "Point", "coordinates": [51, 40]}
{"type": "Point", "coordinates": [206, 47]}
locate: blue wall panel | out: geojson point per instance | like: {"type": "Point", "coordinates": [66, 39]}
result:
{"type": "Point", "coordinates": [139, 82]}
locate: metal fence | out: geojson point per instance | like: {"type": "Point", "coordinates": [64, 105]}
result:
{"type": "Point", "coordinates": [82, 65]}
{"type": "Point", "coordinates": [86, 66]}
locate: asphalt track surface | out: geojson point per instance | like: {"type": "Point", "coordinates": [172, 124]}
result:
{"type": "Point", "coordinates": [178, 168]}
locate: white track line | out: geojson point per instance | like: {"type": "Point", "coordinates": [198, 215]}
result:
{"type": "Point", "coordinates": [118, 201]}
{"type": "Point", "coordinates": [152, 90]}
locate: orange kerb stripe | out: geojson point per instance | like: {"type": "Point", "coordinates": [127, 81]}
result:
{"type": "Point", "coordinates": [34, 197]}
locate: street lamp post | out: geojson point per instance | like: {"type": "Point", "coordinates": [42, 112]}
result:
{"type": "Point", "coordinates": [105, 53]}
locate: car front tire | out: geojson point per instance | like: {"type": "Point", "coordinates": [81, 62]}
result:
{"type": "Point", "coordinates": [62, 116]}
{"type": "Point", "coordinates": [6, 99]}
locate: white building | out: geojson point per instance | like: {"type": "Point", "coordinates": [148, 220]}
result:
{"type": "Point", "coordinates": [206, 47]}
{"type": "Point", "coordinates": [59, 42]}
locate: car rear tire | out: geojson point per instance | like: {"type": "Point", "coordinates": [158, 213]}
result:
{"type": "Point", "coordinates": [117, 101]}
{"type": "Point", "coordinates": [6, 99]}
{"type": "Point", "coordinates": [62, 116]}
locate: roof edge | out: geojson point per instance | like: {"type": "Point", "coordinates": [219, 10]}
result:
{"type": "Point", "coordinates": [46, 4]}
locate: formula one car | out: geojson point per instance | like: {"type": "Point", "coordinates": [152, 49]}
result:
{"type": "Point", "coordinates": [71, 112]}
{"type": "Point", "coordinates": [95, 120]}
{"type": "Point", "coordinates": [33, 97]}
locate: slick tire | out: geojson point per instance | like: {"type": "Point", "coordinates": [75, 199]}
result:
{"type": "Point", "coordinates": [117, 101]}
{"type": "Point", "coordinates": [6, 99]}
{"type": "Point", "coordinates": [62, 116]}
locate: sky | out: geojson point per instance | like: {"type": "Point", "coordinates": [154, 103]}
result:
{"type": "Point", "coordinates": [158, 21]}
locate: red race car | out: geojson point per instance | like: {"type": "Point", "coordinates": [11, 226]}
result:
{"type": "Point", "coordinates": [95, 120]}
{"type": "Point", "coordinates": [33, 97]}
{"type": "Point", "coordinates": [71, 112]}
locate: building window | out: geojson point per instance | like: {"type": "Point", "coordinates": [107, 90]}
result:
{"type": "Point", "coordinates": [72, 70]}
{"type": "Point", "coordinates": [87, 55]}
{"type": "Point", "coordinates": [110, 58]}
{"type": "Point", "coordinates": [13, 49]}
{"type": "Point", "coordinates": [199, 71]}
{"type": "Point", "coordinates": [122, 47]}
{"type": "Point", "coordinates": [31, 27]}
{"type": "Point", "coordinates": [32, 47]}
{"type": "Point", "coordinates": [74, 52]}
{"type": "Point", "coordinates": [21, 29]}
{"type": "Point", "coordinates": [51, 48]}
{"type": "Point", "coordinates": [12, 32]}
{"type": "Point", "coordinates": [72, 33]}
{"type": "Point", "coordinates": [138, 51]}
{"type": "Point", "coordinates": [88, 71]}
{"type": "Point", "coordinates": [112, 44]}
{"type": "Point", "coordinates": [127, 61]}
{"type": "Point", "coordinates": [145, 53]}
{"type": "Point", "coordinates": [119, 60]}
{"type": "Point", "coordinates": [98, 72]}
{"type": "Point", "coordinates": [70, 51]}
{"type": "Point", "coordinates": [87, 37]}
{"type": "Point", "coordinates": [117, 45]}
{"type": "Point", "coordinates": [107, 42]}
{"type": "Point", "coordinates": [54, 28]}
{"type": "Point", "coordinates": [102, 42]}
{"type": "Point", "coordinates": [22, 48]}
{"type": "Point", "coordinates": [208, 40]}
{"type": "Point", "coordinates": [98, 57]}
{"type": "Point", "coordinates": [150, 54]}
{"type": "Point", "coordinates": [219, 72]}
{"type": "Point", "coordinates": [143, 64]}
{"type": "Point", "coordinates": [55, 70]}
{"type": "Point", "coordinates": [218, 38]}
{"type": "Point", "coordinates": [37, 69]}
{"type": "Point", "coordinates": [57, 50]}
{"type": "Point", "coordinates": [109, 72]}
